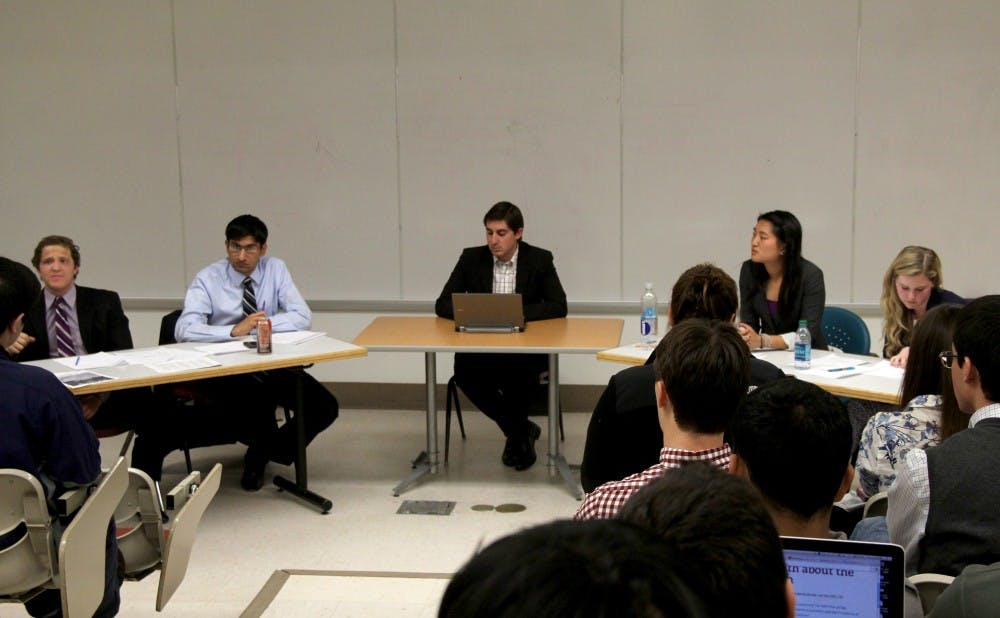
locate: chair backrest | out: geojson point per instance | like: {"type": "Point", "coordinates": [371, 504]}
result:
{"type": "Point", "coordinates": [140, 525]}
{"type": "Point", "coordinates": [846, 330]}
{"type": "Point", "coordinates": [28, 564]}
{"type": "Point", "coordinates": [929, 587]}
{"type": "Point", "coordinates": [82, 548]}
{"type": "Point", "coordinates": [877, 505]}
{"type": "Point", "coordinates": [167, 325]}
{"type": "Point", "coordinates": [177, 552]}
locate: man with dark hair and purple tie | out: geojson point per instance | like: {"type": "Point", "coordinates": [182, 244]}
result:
{"type": "Point", "coordinates": [67, 319]}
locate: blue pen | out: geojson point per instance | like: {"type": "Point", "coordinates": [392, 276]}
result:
{"type": "Point", "coordinates": [842, 369]}
{"type": "Point", "coordinates": [263, 306]}
{"type": "Point", "coordinates": [77, 361]}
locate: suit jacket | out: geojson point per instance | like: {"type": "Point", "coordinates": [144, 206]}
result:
{"type": "Point", "coordinates": [808, 305]}
{"type": "Point", "coordinates": [103, 325]}
{"type": "Point", "coordinates": [537, 282]}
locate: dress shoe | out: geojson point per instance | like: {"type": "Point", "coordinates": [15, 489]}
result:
{"type": "Point", "coordinates": [253, 471]}
{"type": "Point", "coordinates": [519, 452]}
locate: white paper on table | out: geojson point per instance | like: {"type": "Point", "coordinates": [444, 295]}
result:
{"type": "Point", "coordinates": [154, 356]}
{"type": "Point", "coordinates": [884, 369]}
{"type": "Point", "coordinates": [91, 361]}
{"type": "Point", "coordinates": [226, 347]}
{"type": "Point", "coordinates": [294, 337]}
{"type": "Point", "coordinates": [76, 379]}
{"type": "Point", "coordinates": [835, 366]}
{"type": "Point", "coordinates": [183, 364]}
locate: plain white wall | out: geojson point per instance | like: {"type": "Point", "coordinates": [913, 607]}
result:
{"type": "Point", "coordinates": [640, 137]}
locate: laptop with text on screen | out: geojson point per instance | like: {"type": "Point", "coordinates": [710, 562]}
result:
{"type": "Point", "coordinates": [488, 313]}
{"type": "Point", "coordinates": [845, 578]}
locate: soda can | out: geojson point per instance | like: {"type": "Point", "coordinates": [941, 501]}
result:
{"type": "Point", "coordinates": [263, 336]}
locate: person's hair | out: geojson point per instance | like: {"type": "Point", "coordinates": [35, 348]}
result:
{"type": "Point", "coordinates": [506, 212]}
{"type": "Point", "coordinates": [719, 528]}
{"type": "Point", "coordinates": [796, 440]}
{"type": "Point", "coordinates": [19, 287]}
{"type": "Point", "coordinates": [924, 373]}
{"type": "Point", "coordinates": [704, 291]}
{"type": "Point", "coordinates": [897, 320]}
{"type": "Point", "coordinates": [247, 225]}
{"type": "Point", "coordinates": [705, 368]}
{"type": "Point", "coordinates": [977, 336]}
{"type": "Point", "coordinates": [788, 231]}
{"type": "Point", "coordinates": [55, 240]}
{"type": "Point", "coordinates": [572, 568]}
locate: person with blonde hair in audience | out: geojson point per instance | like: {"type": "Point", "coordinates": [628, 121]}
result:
{"type": "Point", "coordinates": [931, 413]}
{"type": "Point", "coordinates": [911, 287]}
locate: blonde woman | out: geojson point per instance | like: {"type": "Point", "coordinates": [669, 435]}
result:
{"type": "Point", "coordinates": [911, 286]}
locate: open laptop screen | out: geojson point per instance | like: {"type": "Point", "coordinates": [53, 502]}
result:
{"type": "Point", "coordinates": [845, 578]}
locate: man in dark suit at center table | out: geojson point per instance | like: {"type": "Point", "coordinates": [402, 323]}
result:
{"type": "Point", "coordinates": [501, 385]}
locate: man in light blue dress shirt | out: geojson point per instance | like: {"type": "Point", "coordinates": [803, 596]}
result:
{"type": "Point", "coordinates": [224, 302]}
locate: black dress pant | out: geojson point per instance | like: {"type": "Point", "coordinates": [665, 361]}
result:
{"type": "Point", "coordinates": [502, 386]}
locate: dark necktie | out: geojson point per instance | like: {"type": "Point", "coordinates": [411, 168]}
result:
{"type": "Point", "coordinates": [249, 300]}
{"type": "Point", "coordinates": [64, 340]}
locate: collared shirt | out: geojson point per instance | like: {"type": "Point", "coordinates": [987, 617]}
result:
{"type": "Point", "coordinates": [74, 321]}
{"type": "Point", "coordinates": [910, 497]}
{"type": "Point", "coordinates": [505, 274]}
{"type": "Point", "coordinates": [889, 436]}
{"type": "Point", "coordinates": [605, 501]}
{"type": "Point", "coordinates": [214, 302]}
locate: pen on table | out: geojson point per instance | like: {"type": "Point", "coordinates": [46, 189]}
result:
{"type": "Point", "coordinates": [842, 369]}
{"type": "Point", "coordinates": [77, 361]}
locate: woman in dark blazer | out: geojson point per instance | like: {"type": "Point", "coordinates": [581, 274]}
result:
{"type": "Point", "coordinates": [778, 287]}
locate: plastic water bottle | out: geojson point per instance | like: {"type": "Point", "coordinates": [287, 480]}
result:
{"type": "Point", "coordinates": [647, 319]}
{"type": "Point", "coordinates": [803, 346]}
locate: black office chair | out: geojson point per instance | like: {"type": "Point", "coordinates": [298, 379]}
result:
{"type": "Point", "coordinates": [539, 406]}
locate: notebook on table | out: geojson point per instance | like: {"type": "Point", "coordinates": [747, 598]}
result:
{"type": "Point", "coordinates": [488, 313]}
{"type": "Point", "coordinates": [845, 578]}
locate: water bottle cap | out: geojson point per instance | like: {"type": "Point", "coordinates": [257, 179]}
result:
{"type": "Point", "coordinates": [803, 322]}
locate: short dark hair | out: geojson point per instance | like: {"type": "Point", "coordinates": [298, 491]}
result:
{"type": "Point", "coordinates": [796, 441]}
{"type": "Point", "coordinates": [925, 375]}
{"type": "Point", "coordinates": [977, 336]}
{"type": "Point", "coordinates": [704, 291]}
{"type": "Point", "coordinates": [246, 225]}
{"type": "Point", "coordinates": [61, 241]}
{"type": "Point", "coordinates": [19, 287]}
{"type": "Point", "coordinates": [705, 368]}
{"type": "Point", "coordinates": [572, 568]}
{"type": "Point", "coordinates": [720, 530]}
{"type": "Point", "coordinates": [506, 212]}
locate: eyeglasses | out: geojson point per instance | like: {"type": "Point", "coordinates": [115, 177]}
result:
{"type": "Point", "coordinates": [947, 358]}
{"type": "Point", "coordinates": [236, 248]}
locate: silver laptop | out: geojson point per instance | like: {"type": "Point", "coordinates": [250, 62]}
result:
{"type": "Point", "coordinates": [845, 578]}
{"type": "Point", "coordinates": [488, 313]}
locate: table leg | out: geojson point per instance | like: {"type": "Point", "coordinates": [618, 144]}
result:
{"type": "Point", "coordinates": [300, 487]}
{"type": "Point", "coordinates": [557, 463]}
{"type": "Point", "coordinates": [427, 461]}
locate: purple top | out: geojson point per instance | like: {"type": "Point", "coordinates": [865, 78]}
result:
{"type": "Point", "coordinates": [772, 307]}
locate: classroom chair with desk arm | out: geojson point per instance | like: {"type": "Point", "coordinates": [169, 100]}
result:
{"type": "Point", "coordinates": [845, 330]}
{"type": "Point", "coordinates": [76, 566]}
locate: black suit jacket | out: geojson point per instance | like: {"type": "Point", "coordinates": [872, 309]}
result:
{"type": "Point", "coordinates": [103, 325]}
{"type": "Point", "coordinates": [808, 306]}
{"type": "Point", "coordinates": [537, 282]}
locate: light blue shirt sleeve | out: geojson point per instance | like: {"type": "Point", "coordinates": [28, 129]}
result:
{"type": "Point", "coordinates": [214, 302]}
{"type": "Point", "coordinates": [909, 503]}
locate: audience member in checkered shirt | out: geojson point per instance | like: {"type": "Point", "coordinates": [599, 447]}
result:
{"type": "Point", "coordinates": [703, 371]}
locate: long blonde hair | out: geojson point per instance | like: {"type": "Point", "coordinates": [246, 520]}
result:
{"type": "Point", "coordinates": [897, 320]}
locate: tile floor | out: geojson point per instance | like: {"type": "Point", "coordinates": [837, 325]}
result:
{"type": "Point", "coordinates": [245, 538]}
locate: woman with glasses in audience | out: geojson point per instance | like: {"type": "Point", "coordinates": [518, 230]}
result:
{"type": "Point", "coordinates": [778, 287]}
{"type": "Point", "coordinates": [911, 287]}
{"type": "Point", "coordinates": [931, 414]}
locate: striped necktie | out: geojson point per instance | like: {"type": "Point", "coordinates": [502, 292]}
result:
{"type": "Point", "coordinates": [249, 300]}
{"type": "Point", "coordinates": [64, 340]}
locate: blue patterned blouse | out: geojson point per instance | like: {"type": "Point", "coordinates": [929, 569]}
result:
{"type": "Point", "coordinates": [889, 436]}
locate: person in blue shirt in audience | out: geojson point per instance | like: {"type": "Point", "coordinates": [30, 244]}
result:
{"type": "Point", "coordinates": [223, 303]}
{"type": "Point", "coordinates": [44, 433]}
